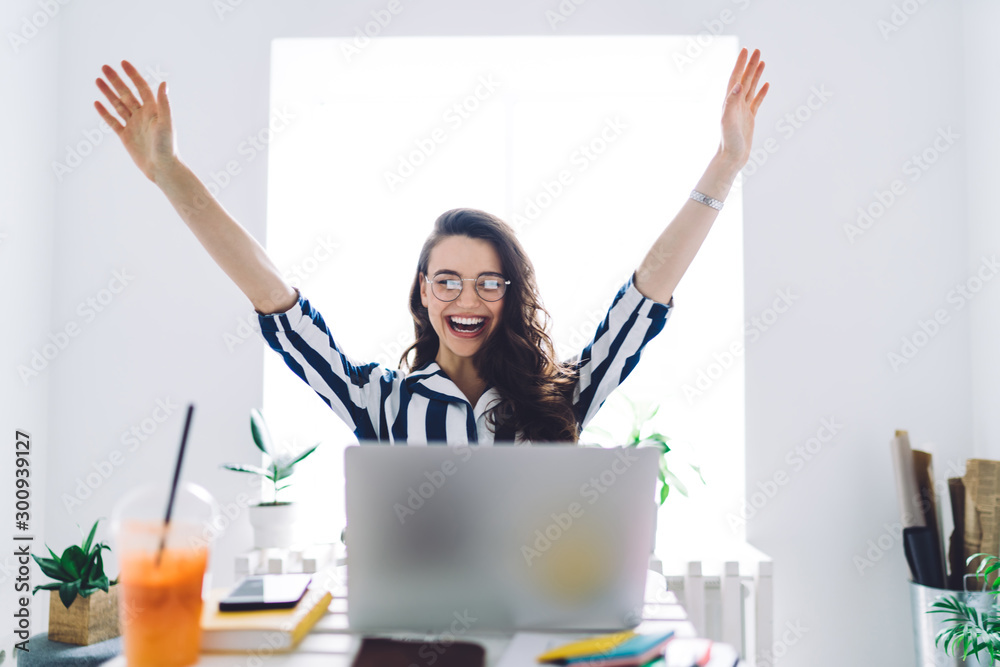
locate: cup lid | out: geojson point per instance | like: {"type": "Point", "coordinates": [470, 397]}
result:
{"type": "Point", "coordinates": [143, 509]}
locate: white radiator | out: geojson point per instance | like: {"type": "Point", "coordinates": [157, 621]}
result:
{"type": "Point", "coordinates": [729, 601]}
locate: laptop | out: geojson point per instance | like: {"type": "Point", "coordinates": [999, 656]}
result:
{"type": "Point", "coordinates": [506, 538]}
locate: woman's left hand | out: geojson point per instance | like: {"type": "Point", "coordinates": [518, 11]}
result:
{"type": "Point", "coordinates": [740, 108]}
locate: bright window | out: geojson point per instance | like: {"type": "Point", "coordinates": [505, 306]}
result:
{"type": "Point", "coordinates": [384, 139]}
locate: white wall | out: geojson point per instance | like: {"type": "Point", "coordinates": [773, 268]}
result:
{"type": "Point", "coordinates": [984, 233]}
{"type": "Point", "coordinates": [27, 216]}
{"type": "Point", "coordinates": [162, 337]}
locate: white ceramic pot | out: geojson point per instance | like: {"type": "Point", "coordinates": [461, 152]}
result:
{"type": "Point", "coordinates": [273, 524]}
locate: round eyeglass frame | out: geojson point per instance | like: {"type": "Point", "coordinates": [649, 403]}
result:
{"type": "Point", "coordinates": [476, 286]}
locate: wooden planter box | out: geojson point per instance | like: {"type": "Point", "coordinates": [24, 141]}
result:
{"type": "Point", "coordinates": [87, 621]}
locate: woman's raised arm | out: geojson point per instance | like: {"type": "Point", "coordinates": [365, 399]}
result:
{"type": "Point", "coordinates": [672, 253]}
{"type": "Point", "coordinates": [148, 137]}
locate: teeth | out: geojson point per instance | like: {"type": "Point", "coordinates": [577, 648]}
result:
{"type": "Point", "coordinates": [468, 320]}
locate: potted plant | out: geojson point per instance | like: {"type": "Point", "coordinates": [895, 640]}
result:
{"type": "Point", "coordinates": [973, 630]}
{"type": "Point", "coordinates": [273, 521]}
{"type": "Point", "coordinates": [640, 434]}
{"type": "Point", "coordinates": [641, 416]}
{"type": "Point", "coordinates": [83, 604]}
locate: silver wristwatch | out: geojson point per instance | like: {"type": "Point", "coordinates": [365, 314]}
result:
{"type": "Point", "coordinates": [705, 199]}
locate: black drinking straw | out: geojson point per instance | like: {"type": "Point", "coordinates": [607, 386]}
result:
{"type": "Point", "coordinates": [173, 486]}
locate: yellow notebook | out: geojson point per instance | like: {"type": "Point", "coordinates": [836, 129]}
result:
{"type": "Point", "coordinates": [278, 629]}
{"type": "Point", "coordinates": [589, 646]}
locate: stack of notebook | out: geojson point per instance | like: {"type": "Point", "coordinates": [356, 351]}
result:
{"type": "Point", "coordinates": [623, 649]}
{"type": "Point", "coordinates": [277, 629]}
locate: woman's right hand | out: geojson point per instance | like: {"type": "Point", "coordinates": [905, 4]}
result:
{"type": "Point", "coordinates": [147, 134]}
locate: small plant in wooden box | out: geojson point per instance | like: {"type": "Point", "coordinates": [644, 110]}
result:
{"type": "Point", "coordinates": [83, 604]}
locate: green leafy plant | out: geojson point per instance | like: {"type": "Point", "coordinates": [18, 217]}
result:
{"type": "Point", "coordinates": [80, 570]}
{"type": "Point", "coordinates": [642, 414]}
{"type": "Point", "coordinates": [973, 630]}
{"type": "Point", "coordinates": [281, 465]}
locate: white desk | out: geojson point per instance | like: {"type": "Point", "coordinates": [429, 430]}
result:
{"type": "Point", "coordinates": [330, 644]}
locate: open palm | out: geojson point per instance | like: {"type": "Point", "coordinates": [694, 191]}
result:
{"type": "Point", "coordinates": [147, 133]}
{"type": "Point", "coordinates": [740, 108]}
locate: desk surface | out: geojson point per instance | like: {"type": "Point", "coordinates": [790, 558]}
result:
{"type": "Point", "coordinates": [331, 644]}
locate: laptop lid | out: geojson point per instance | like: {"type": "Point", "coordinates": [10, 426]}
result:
{"type": "Point", "coordinates": [498, 538]}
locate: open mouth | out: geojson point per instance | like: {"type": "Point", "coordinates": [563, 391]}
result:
{"type": "Point", "coordinates": [466, 326]}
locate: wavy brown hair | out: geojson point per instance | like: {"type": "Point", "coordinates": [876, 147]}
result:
{"type": "Point", "coordinates": [518, 359]}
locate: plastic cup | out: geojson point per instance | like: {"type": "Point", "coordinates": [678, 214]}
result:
{"type": "Point", "coordinates": [160, 601]}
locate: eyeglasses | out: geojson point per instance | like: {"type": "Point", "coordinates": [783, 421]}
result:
{"type": "Point", "coordinates": [448, 286]}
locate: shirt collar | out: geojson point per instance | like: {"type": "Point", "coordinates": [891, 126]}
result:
{"type": "Point", "coordinates": [428, 368]}
{"type": "Point", "coordinates": [431, 381]}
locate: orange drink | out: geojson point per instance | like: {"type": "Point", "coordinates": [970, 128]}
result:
{"type": "Point", "coordinates": [162, 569]}
{"type": "Point", "coordinates": [160, 605]}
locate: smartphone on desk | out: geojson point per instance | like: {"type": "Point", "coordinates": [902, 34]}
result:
{"type": "Point", "coordinates": [266, 591]}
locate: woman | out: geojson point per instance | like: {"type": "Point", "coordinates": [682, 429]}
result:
{"type": "Point", "coordinates": [484, 368]}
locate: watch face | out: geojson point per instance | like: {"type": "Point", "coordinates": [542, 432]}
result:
{"type": "Point", "coordinates": [708, 201]}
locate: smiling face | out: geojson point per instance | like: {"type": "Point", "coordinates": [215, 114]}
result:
{"type": "Point", "coordinates": [468, 258]}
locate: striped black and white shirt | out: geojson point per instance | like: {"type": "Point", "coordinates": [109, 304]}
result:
{"type": "Point", "coordinates": [425, 405]}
